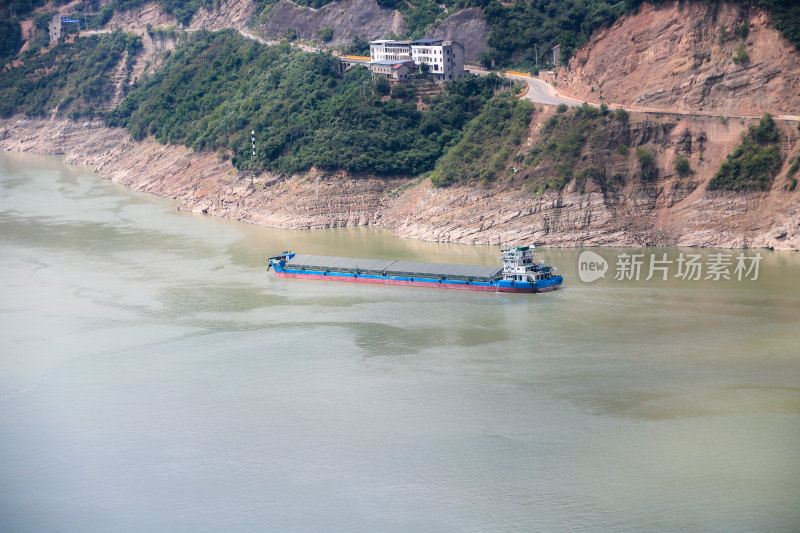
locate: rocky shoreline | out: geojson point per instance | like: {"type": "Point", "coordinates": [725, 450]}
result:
{"type": "Point", "coordinates": [667, 213]}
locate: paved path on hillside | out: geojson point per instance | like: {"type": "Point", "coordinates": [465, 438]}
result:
{"type": "Point", "coordinates": [543, 93]}
{"type": "Point", "coordinates": [538, 91]}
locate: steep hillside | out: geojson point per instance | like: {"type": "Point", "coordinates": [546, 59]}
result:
{"type": "Point", "coordinates": [79, 77]}
{"type": "Point", "coordinates": [466, 26]}
{"type": "Point", "coordinates": [334, 150]}
{"type": "Point", "coordinates": [348, 19]}
{"type": "Point", "coordinates": [718, 58]}
{"type": "Point", "coordinates": [669, 209]}
{"type": "Point", "coordinates": [615, 203]}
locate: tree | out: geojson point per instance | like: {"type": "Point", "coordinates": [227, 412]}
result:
{"type": "Point", "coordinates": [325, 34]}
{"type": "Point", "coordinates": [359, 46]}
{"type": "Point", "coordinates": [402, 92]}
{"type": "Point", "coordinates": [647, 163]}
{"type": "Point", "coordinates": [741, 56]}
{"type": "Point", "coordinates": [382, 86]}
{"type": "Point", "coordinates": [682, 166]}
{"type": "Point", "coordinates": [485, 59]}
{"type": "Point", "coordinates": [10, 39]}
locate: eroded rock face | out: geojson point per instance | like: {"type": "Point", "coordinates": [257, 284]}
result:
{"type": "Point", "coordinates": [229, 14]}
{"type": "Point", "coordinates": [136, 20]}
{"type": "Point", "coordinates": [349, 19]}
{"type": "Point", "coordinates": [466, 26]}
{"type": "Point", "coordinates": [673, 57]}
{"type": "Point", "coordinates": [668, 211]}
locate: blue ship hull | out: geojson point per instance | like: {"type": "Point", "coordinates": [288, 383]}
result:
{"type": "Point", "coordinates": [489, 286]}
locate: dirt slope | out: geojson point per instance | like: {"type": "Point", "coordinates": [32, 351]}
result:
{"type": "Point", "coordinates": [675, 56]}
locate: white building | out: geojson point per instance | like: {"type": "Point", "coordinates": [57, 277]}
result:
{"type": "Point", "coordinates": [445, 59]}
{"type": "Point", "coordinates": [386, 50]}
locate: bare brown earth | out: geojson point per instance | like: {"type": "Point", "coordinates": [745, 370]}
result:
{"type": "Point", "coordinates": [670, 211]}
{"type": "Point", "coordinates": [672, 57]}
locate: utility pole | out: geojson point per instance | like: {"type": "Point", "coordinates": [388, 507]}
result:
{"type": "Point", "coordinates": [536, 51]}
{"type": "Point", "coordinates": [253, 140]}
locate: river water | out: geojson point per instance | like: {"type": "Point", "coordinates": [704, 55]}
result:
{"type": "Point", "coordinates": [153, 377]}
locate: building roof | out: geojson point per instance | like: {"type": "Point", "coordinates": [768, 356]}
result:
{"type": "Point", "coordinates": [390, 41]}
{"type": "Point", "coordinates": [427, 41]}
{"type": "Point", "coordinates": [392, 62]}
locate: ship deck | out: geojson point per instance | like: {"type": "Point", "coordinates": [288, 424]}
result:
{"type": "Point", "coordinates": [383, 267]}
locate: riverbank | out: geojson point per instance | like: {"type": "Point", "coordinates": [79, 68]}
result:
{"type": "Point", "coordinates": [669, 212]}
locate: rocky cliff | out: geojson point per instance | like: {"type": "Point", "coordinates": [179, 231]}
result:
{"type": "Point", "coordinates": [680, 56]}
{"type": "Point", "coordinates": [466, 26]}
{"type": "Point", "coordinates": [669, 211]}
{"type": "Point", "coordinates": [624, 210]}
{"type": "Point", "coordinates": [348, 19]}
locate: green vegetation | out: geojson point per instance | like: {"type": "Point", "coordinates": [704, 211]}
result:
{"type": "Point", "coordinates": [10, 39]}
{"type": "Point", "coordinates": [75, 78]}
{"type": "Point", "coordinates": [682, 166]}
{"type": "Point", "coordinates": [754, 163]}
{"type": "Point", "coordinates": [563, 138]}
{"type": "Point", "coordinates": [785, 16]}
{"type": "Point", "coordinates": [794, 166]}
{"type": "Point", "coordinates": [325, 34]}
{"type": "Point", "coordinates": [213, 91]}
{"type": "Point", "coordinates": [10, 9]}
{"type": "Point", "coordinates": [562, 108]}
{"type": "Point", "coordinates": [647, 163]}
{"type": "Point", "coordinates": [621, 115]}
{"type": "Point", "coordinates": [518, 30]}
{"type": "Point", "coordinates": [743, 31]}
{"type": "Point", "coordinates": [790, 175]}
{"type": "Point", "coordinates": [515, 28]}
{"type": "Point", "coordinates": [741, 56]}
{"type": "Point", "coordinates": [359, 46]}
{"type": "Point", "coordinates": [482, 153]}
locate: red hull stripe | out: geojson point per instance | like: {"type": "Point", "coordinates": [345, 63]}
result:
{"type": "Point", "coordinates": [407, 283]}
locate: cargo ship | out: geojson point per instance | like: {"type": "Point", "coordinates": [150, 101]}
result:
{"type": "Point", "coordinates": [521, 272]}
